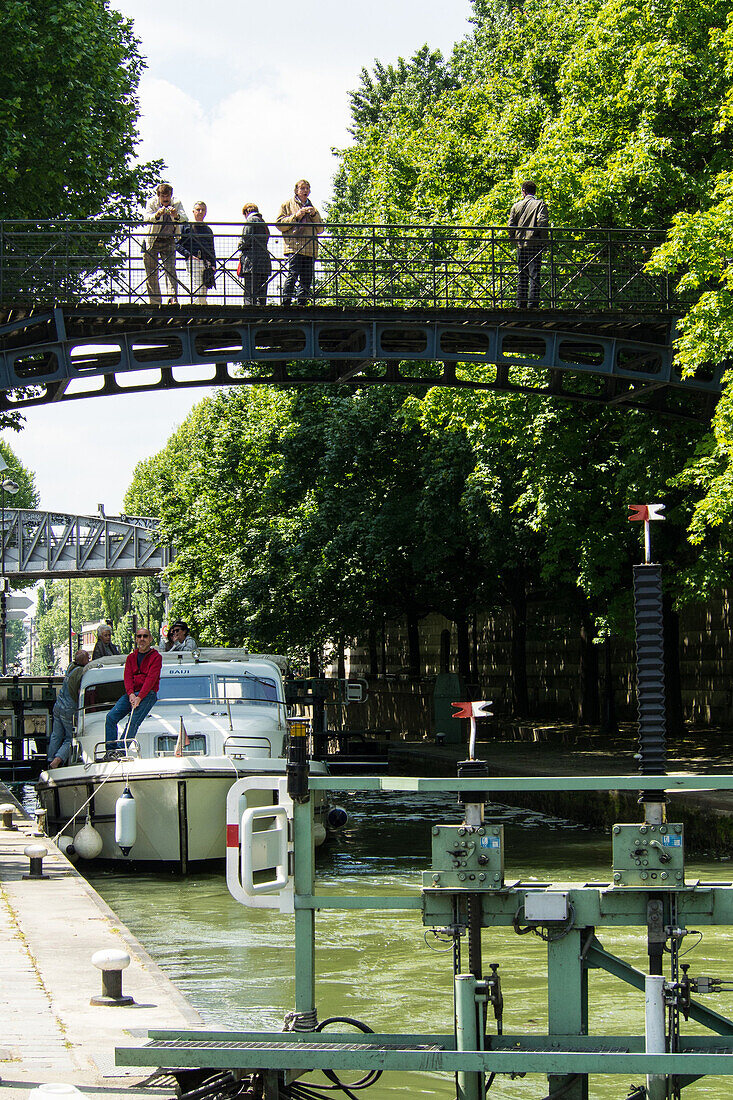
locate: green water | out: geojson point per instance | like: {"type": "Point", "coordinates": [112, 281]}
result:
{"type": "Point", "coordinates": [235, 965]}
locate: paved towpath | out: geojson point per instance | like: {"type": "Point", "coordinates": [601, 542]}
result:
{"type": "Point", "coordinates": [49, 930]}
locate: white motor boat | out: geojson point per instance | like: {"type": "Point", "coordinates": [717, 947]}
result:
{"type": "Point", "coordinates": [220, 715]}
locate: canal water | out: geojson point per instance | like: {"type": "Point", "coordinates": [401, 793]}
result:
{"type": "Point", "coordinates": [235, 965]}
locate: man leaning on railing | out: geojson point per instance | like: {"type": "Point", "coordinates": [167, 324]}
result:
{"type": "Point", "coordinates": [528, 222]}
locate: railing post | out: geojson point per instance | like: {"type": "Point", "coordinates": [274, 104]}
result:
{"type": "Point", "coordinates": [610, 269]}
{"type": "Point", "coordinates": [553, 274]}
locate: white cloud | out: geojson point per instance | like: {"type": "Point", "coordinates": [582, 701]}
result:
{"type": "Point", "coordinates": [251, 146]}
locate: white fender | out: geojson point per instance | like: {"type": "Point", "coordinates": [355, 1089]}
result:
{"type": "Point", "coordinates": [125, 821]}
{"type": "Point", "coordinates": [66, 845]}
{"type": "Point", "coordinates": [87, 842]}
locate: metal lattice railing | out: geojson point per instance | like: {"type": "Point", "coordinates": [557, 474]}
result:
{"type": "Point", "coordinates": [383, 266]}
{"type": "Point", "coordinates": [53, 544]}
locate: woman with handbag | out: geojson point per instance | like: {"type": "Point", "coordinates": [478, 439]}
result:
{"type": "Point", "coordinates": [196, 243]}
{"type": "Point", "coordinates": [255, 266]}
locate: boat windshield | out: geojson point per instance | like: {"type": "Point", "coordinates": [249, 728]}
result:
{"type": "Point", "coordinates": [260, 690]}
{"type": "Point", "coordinates": [184, 687]}
{"type": "Point", "coordinates": [257, 691]}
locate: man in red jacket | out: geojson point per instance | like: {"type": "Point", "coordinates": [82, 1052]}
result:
{"type": "Point", "coordinates": [142, 678]}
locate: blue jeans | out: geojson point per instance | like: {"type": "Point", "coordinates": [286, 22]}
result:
{"type": "Point", "coordinates": [119, 711]}
{"type": "Point", "coordinates": [59, 743]}
{"type": "Point", "coordinates": [300, 269]}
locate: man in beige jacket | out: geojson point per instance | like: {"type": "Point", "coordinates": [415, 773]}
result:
{"type": "Point", "coordinates": [301, 223]}
{"type": "Point", "coordinates": [164, 216]}
{"type": "Point", "coordinates": [528, 222]}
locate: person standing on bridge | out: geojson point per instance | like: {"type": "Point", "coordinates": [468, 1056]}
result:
{"type": "Point", "coordinates": [142, 679]}
{"type": "Point", "coordinates": [301, 223]}
{"type": "Point", "coordinates": [64, 711]}
{"type": "Point", "coordinates": [256, 262]}
{"type": "Point", "coordinates": [164, 216]}
{"type": "Point", "coordinates": [528, 222]}
{"type": "Point", "coordinates": [196, 244]}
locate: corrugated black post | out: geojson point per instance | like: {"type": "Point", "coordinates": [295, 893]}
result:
{"type": "Point", "coordinates": [650, 675]}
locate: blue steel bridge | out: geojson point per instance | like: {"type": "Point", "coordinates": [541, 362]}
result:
{"type": "Point", "coordinates": [392, 304]}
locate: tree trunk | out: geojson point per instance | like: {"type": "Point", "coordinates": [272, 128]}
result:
{"type": "Point", "coordinates": [672, 675]}
{"type": "Point", "coordinates": [474, 650]}
{"type": "Point", "coordinates": [341, 656]}
{"type": "Point", "coordinates": [413, 645]}
{"type": "Point", "coordinates": [517, 592]}
{"type": "Point", "coordinates": [464, 654]}
{"type": "Point", "coordinates": [373, 653]}
{"type": "Point", "coordinates": [609, 722]}
{"type": "Point", "coordinates": [589, 710]}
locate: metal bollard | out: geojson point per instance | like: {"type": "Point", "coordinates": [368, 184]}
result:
{"type": "Point", "coordinates": [111, 963]}
{"type": "Point", "coordinates": [35, 853]}
{"type": "Point", "coordinates": [6, 813]}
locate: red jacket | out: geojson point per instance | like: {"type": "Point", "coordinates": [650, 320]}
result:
{"type": "Point", "coordinates": [147, 677]}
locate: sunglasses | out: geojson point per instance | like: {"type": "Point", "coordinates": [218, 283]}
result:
{"type": "Point", "coordinates": [142, 635]}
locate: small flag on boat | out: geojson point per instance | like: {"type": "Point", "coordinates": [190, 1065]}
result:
{"type": "Point", "coordinates": [182, 741]}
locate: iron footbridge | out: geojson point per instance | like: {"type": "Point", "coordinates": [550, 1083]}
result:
{"type": "Point", "coordinates": [410, 305]}
{"type": "Point", "coordinates": [56, 545]}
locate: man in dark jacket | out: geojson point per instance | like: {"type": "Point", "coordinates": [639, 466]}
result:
{"type": "Point", "coordinates": [528, 222]}
{"type": "Point", "coordinates": [64, 711]}
{"type": "Point", "coordinates": [142, 679]}
{"type": "Point", "coordinates": [256, 262]}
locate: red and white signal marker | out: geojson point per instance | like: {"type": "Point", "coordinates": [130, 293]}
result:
{"type": "Point", "coordinates": [473, 709]}
{"type": "Point", "coordinates": [646, 513]}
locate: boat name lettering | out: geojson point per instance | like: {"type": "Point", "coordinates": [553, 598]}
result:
{"type": "Point", "coordinates": [179, 671]}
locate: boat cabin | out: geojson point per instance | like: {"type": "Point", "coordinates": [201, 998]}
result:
{"type": "Point", "coordinates": [213, 702]}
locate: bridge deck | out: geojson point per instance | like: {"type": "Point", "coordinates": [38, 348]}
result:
{"type": "Point", "coordinates": [602, 356]}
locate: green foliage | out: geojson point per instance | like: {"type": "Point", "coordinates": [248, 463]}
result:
{"type": "Point", "coordinates": [92, 599]}
{"type": "Point", "coordinates": [69, 111]}
{"type": "Point", "coordinates": [395, 88]}
{"type": "Point", "coordinates": [27, 495]}
{"type": "Point", "coordinates": [300, 517]}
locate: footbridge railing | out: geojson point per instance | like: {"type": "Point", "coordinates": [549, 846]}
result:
{"type": "Point", "coordinates": [379, 266]}
{"type": "Point", "coordinates": [56, 545]}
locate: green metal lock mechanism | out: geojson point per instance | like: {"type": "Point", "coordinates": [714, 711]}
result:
{"type": "Point", "coordinates": [466, 857]}
{"type": "Point", "coordinates": [649, 856]}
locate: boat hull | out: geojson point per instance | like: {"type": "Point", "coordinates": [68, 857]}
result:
{"type": "Point", "coordinates": [181, 813]}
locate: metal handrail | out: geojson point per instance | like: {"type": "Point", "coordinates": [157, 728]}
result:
{"type": "Point", "coordinates": [406, 265]}
{"type": "Point", "coordinates": [243, 741]}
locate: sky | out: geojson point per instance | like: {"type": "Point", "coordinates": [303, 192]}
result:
{"type": "Point", "coordinates": [239, 100]}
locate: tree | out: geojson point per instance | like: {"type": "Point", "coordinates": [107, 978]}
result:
{"type": "Point", "coordinates": [27, 495]}
{"type": "Point", "coordinates": [417, 82]}
{"type": "Point", "coordinates": [69, 111]}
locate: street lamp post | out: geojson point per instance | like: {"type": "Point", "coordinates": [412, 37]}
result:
{"type": "Point", "coordinates": [7, 485]}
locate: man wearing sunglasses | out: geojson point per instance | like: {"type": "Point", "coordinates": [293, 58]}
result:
{"type": "Point", "coordinates": [142, 679]}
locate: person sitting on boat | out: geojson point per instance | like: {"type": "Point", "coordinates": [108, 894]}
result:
{"type": "Point", "coordinates": [64, 711]}
{"type": "Point", "coordinates": [105, 647]}
{"type": "Point", "coordinates": [142, 679]}
{"type": "Point", "coordinates": [182, 639]}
